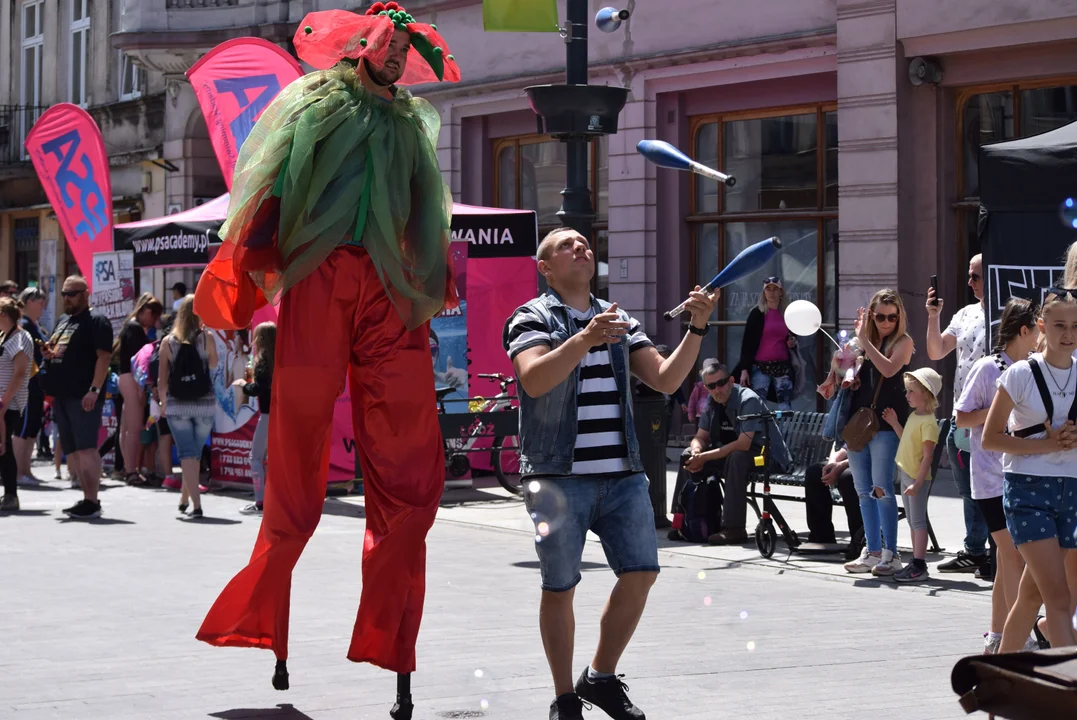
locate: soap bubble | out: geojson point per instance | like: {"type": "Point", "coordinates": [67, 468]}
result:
{"type": "Point", "coordinates": [478, 673]}
{"type": "Point", "coordinates": [548, 506]}
{"type": "Point", "coordinates": [702, 575]}
{"type": "Point", "coordinates": [751, 645]}
{"type": "Point", "coordinates": [1068, 213]}
{"type": "Point", "coordinates": [743, 614]}
{"type": "Point", "coordinates": [707, 601]}
{"type": "Point", "coordinates": [484, 704]}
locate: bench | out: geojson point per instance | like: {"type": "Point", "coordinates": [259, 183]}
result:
{"type": "Point", "coordinates": [803, 433]}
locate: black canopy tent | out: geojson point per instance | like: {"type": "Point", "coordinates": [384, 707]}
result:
{"type": "Point", "coordinates": [1024, 233]}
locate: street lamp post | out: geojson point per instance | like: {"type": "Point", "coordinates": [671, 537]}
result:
{"type": "Point", "coordinates": [576, 210]}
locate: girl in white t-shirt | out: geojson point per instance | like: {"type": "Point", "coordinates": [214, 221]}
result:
{"type": "Point", "coordinates": [1018, 336]}
{"type": "Point", "coordinates": [1040, 460]}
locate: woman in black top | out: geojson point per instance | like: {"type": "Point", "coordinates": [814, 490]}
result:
{"type": "Point", "coordinates": [881, 333]}
{"type": "Point", "coordinates": [131, 339]}
{"type": "Point", "coordinates": [260, 385]}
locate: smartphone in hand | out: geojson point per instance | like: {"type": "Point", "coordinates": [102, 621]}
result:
{"type": "Point", "coordinates": [935, 289]}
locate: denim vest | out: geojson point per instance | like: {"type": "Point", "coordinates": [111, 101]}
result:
{"type": "Point", "coordinates": [548, 424]}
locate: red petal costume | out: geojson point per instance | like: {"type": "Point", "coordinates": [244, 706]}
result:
{"type": "Point", "coordinates": [339, 209]}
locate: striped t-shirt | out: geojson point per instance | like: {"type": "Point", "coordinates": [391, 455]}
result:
{"type": "Point", "coordinates": [601, 448]}
{"type": "Point", "coordinates": [18, 342]}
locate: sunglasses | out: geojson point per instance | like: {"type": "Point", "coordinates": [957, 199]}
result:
{"type": "Point", "coordinates": [974, 277]}
{"type": "Point", "coordinates": [71, 293]}
{"type": "Point", "coordinates": [775, 280]}
{"type": "Point", "coordinates": [1062, 292]}
{"type": "Point", "coordinates": [718, 383]}
{"type": "Point", "coordinates": [891, 318]}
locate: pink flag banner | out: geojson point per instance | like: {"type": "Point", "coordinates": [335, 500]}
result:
{"type": "Point", "coordinates": [234, 82]}
{"type": "Point", "coordinates": [68, 153]}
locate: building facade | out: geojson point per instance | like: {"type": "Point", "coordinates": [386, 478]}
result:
{"type": "Point", "coordinates": [868, 178]}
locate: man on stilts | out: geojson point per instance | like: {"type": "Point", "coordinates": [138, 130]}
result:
{"type": "Point", "coordinates": [339, 209]}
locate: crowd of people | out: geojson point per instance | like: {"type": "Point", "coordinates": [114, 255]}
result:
{"type": "Point", "coordinates": [158, 371]}
{"type": "Point", "coordinates": [1011, 440]}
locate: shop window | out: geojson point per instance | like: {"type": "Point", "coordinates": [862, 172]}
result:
{"type": "Point", "coordinates": [79, 51]}
{"type": "Point", "coordinates": [32, 46]}
{"type": "Point", "coordinates": [996, 114]}
{"type": "Point", "coordinates": [529, 174]}
{"type": "Point", "coordinates": [26, 233]}
{"type": "Point", "coordinates": [786, 165]}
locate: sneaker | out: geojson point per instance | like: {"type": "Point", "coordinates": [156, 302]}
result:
{"type": "Point", "coordinates": [10, 503]}
{"type": "Point", "coordinates": [566, 707]}
{"type": "Point", "coordinates": [183, 508]}
{"type": "Point", "coordinates": [28, 481]}
{"type": "Point", "coordinates": [73, 508]}
{"type": "Point", "coordinates": [911, 573]}
{"type": "Point", "coordinates": [991, 644]}
{"type": "Point", "coordinates": [86, 510]}
{"type": "Point", "coordinates": [172, 483]}
{"type": "Point", "coordinates": [864, 563]}
{"type": "Point", "coordinates": [1031, 645]}
{"type": "Point", "coordinates": [963, 563]}
{"type": "Point", "coordinates": [888, 566]}
{"type": "Point", "coordinates": [75, 484]}
{"type": "Point", "coordinates": [252, 509]}
{"type": "Point", "coordinates": [195, 514]}
{"type": "Point", "coordinates": [610, 695]}
{"type": "Point", "coordinates": [985, 572]}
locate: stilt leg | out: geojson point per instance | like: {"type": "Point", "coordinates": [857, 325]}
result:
{"type": "Point", "coordinates": [402, 709]}
{"type": "Point", "coordinates": [280, 675]}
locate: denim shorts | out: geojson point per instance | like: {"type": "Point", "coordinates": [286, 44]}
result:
{"type": "Point", "coordinates": [190, 435]}
{"type": "Point", "coordinates": [1038, 508]}
{"type": "Point", "coordinates": [618, 510]}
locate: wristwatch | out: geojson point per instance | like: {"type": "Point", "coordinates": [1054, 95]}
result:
{"type": "Point", "coordinates": [95, 390]}
{"type": "Point", "coordinates": [702, 332]}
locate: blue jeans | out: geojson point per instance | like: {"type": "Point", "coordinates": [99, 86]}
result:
{"type": "Point", "coordinates": [975, 525]}
{"type": "Point", "coordinates": [783, 387]}
{"type": "Point", "coordinates": [874, 467]}
{"type": "Point", "coordinates": [618, 510]}
{"type": "Point", "coordinates": [190, 434]}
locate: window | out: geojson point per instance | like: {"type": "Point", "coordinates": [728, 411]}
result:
{"type": "Point", "coordinates": [80, 50]}
{"type": "Point", "coordinates": [995, 114]}
{"type": "Point", "coordinates": [786, 166]}
{"type": "Point", "coordinates": [26, 233]}
{"type": "Point", "coordinates": [33, 41]}
{"type": "Point", "coordinates": [132, 78]}
{"type": "Point", "coordinates": [529, 174]}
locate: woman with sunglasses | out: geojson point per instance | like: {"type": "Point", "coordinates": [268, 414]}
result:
{"type": "Point", "coordinates": [881, 332]}
{"type": "Point", "coordinates": [766, 352]}
{"type": "Point", "coordinates": [16, 356]}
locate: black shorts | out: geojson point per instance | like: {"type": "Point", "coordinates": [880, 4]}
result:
{"type": "Point", "coordinates": [79, 430]}
{"type": "Point", "coordinates": [33, 416]}
{"type": "Point", "coordinates": [993, 513]}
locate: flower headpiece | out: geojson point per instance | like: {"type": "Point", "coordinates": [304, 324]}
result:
{"type": "Point", "coordinates": [327, 37]}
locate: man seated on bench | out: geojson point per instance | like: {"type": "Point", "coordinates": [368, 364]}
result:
{"type": "Point", "coordinates": [818, 480]}
{"type": "Point", "coordinates": [726, 447]}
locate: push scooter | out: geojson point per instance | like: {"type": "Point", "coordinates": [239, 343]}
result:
{"type": "Point", "coordinates": [766, 539]}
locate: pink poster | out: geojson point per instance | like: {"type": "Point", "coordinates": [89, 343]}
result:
{"type": "Point", "coordinates": [343, 461]}
{"type": "Point", "coordinates": [68, 153]}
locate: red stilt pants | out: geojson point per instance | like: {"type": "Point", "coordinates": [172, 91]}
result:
{"type": "Point", "coordinates": [339, 320]}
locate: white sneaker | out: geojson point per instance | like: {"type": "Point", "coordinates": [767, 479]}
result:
{"type": "Point", "coordinates": [889, 564]}
{"type": "Point", "coordinates": [864, 563]}
{"type": "Point", "coordinates": [991, 645]}
{"type": "Point", "coordinates": [28, 481]}
{"type": "Point", "coordinates": [251, 509]}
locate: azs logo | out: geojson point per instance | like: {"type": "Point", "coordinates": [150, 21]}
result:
{"type": "Point", "coordinates": [65, 148]}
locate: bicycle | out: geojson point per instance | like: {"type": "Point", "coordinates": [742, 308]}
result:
{"type": "Point", "coordinates": [505, 457]}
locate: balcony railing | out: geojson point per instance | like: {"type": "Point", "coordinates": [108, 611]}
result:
{"type": "Point", "coordinates": [180, 4]}
{"type": "Point", "coordinates": [15, 123]}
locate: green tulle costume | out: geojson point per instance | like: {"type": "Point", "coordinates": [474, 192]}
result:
{"type": "Point", "coordinates": [329, 163]}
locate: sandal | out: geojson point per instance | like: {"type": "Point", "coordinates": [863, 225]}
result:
{"type": "Point", "coordinates": [1045, 644]}
{"type": "Point", "coordinates": [135, 480]}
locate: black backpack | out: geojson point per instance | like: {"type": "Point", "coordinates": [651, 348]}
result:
{"type": "Point", "coordinates": [188, 375]}
{"type": "Point", "coordinates": [701, 506]}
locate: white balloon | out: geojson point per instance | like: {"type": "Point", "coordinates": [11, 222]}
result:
{"type": "Point", "coordinates": [803, 318]}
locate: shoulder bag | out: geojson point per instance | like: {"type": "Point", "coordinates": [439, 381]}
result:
{"type": "Point", "coordinates": [864, 423]}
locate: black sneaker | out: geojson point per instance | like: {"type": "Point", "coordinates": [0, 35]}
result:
{"type": "Point", "coordinates": [195, 514]}
{"type": "Point", "coordinates": [566, 707]}
{"type": "Point", "coordinates": [10, 503]}
{"type": "Point", "coordinates": [85, 510]}
{"type": "Point", "coordinates": [609, 694]}
{"type": "Point", "coordinates": [963, 563]}
{"type": "Point", "coordinates": [76, 507]}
